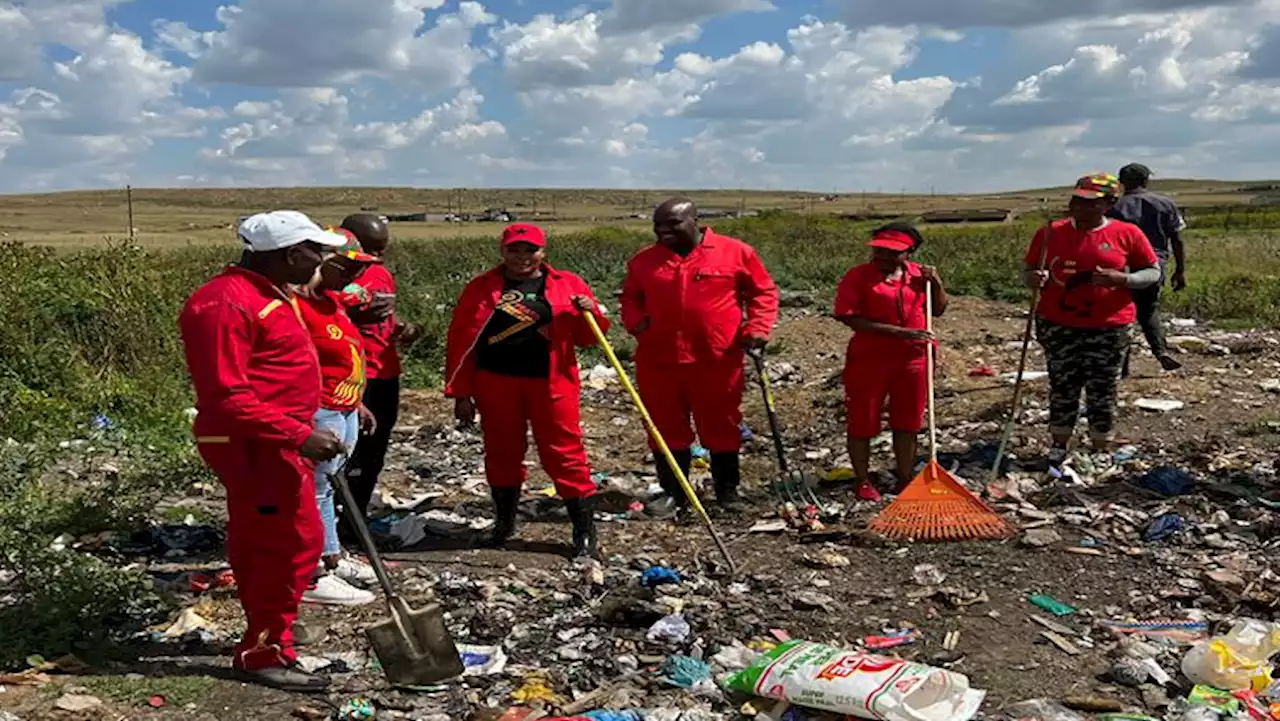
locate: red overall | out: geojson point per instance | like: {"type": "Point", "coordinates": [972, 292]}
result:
{"type": "Point", "coordinates": [690, 358]}
{"type": "Point", "coordinates": [508, 405]}
{"type": "Point", "coordinates": [257, 384]}
{"type": "Point", "coordinates": [878, 366]}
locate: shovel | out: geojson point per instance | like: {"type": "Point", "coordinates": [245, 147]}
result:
{"type": "Point", "coordinates": [414, 647]}
{"type": "Point", "coordinates": [795, 494]}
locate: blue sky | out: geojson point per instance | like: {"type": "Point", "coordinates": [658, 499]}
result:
{"type": "Point", "coordinates": [969, 95]}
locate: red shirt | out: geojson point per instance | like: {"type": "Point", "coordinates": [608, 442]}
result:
{"type": "Point", "coordinates": [694, 304]}
{"type": "Point", "coordinates": [254, 368]}
{"type": "Point", "coordinates": [476, 307]}
{"type": "Point", "coordinates": [338, 343]}
{"type": "Point", "coordinates": [865, 292]}
{"type": "Point", "coordinates": [382, 357]}
{"type": "Point", "coordinates": [1070, 298]}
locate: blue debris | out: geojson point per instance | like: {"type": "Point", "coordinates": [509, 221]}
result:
{"type": "Point", "coordinates": [614, 716]}
{"type": "Point", "coordinates": [660, 575]}
{"type": "Point", "coordinates": [1168, 481]}
{"type": "Point", "coordinates": [1164, 527]}
{"type": "Point", "coordinates": [684, 671]}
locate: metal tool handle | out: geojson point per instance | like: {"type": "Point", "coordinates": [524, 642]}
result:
{"type": "Point", "coordinates": [366, 539]}
{"type": "Point", "coordinates": [929, 362]}
{"type": "Point", "coordinates": [658, 440]}
{"type": "Point", "coordinates": [766, 389]}
{"type": "Point", "coordinates": [1010, 424]}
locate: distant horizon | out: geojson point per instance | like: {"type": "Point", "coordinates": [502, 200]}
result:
{"type": "Point", "coordinates": [1155, 183]}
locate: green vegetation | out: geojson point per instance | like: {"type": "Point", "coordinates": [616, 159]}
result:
{"type": "Point", "coordinates": [94, 333]}
{"type": "Point", "coordinates": [177, 691]}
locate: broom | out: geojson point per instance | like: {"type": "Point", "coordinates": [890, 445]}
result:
{"type": "Point", "coordinates": [935, 506]}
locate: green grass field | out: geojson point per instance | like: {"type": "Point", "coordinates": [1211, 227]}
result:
{"type": "Point", "coordinates": [93, 331]}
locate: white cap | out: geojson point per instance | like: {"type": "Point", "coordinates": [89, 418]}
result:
{"type": "Point", "coordinates": [281, 229]}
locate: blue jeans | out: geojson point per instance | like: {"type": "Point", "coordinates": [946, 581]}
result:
{"type": "Point", "coordinates": [346, 426]}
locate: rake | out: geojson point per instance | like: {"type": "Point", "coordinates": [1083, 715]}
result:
{"type": "Point", "coordinates": [935, 506]}
{"type": "Point", "coordinates": [797, 503]}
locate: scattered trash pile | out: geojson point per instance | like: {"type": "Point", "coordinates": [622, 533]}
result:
{"type": "Point", "coordinates": [1142, 585]}
{"type": "Point", "coordinates": [647, 642]}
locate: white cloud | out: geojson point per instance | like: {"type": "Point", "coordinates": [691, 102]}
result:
{"type": "Point", "coordinates": [1003, 13]}
{"type": "Point", "coordinates": [545, 53]}
{"type": "Point", "coordinates": [308, 136]}
{"type": "Point", "coordinates": [308, 43]}
{"type": "Point", "coordinates": [90, 116]}
{"type": "Point", "coordinates": [637, 93]}
{"type": "Point", "coordinates": [629, 16]}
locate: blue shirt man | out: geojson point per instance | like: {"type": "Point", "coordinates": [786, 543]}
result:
{"type": "Point", "coordinates": [1162, 222]}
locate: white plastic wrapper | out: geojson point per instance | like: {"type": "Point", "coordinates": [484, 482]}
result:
{"type": "Point", "coordinates": [862, 685]}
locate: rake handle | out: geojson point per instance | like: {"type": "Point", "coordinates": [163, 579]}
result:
{"type": "Point", "coordinates": [929, 362]}
{"type": "Point", "coordinates": [766, 390]}
{"type": "Point", "coordinates": [1009, 425]}
{"type": "Point", "coordinates": [658, 440]}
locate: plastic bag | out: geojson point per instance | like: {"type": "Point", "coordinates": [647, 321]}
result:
{"type": "Point", "coordinates": [863, 685]}
{"type": "Point", "coordinates": [669, 629]}
{"type": "Point", "coordinates": [1234, 661]}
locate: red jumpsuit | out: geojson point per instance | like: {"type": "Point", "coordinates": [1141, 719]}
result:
{"type": "Point", "coordinates": [878, 366]}
{"type": "Point", "coordinates": [257, 384]}
{"type": "Point", "coordinates": [690, 358]}
{"type": "Point", "coordinates": [508, 405]}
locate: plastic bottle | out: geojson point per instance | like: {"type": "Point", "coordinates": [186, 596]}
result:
{"type": "Point", "coordinates": [1237, 660]}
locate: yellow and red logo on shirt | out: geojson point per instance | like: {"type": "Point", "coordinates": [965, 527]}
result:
{"type": "Point", "coordinates": [334, 331]}
{"type": "Point", "coordinates": [512, 306]}
{"type": "Point", "coordinates": [350, 389]}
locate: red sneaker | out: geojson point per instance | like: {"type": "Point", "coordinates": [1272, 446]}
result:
{"type": "Point", "coordinates": [867, 492]}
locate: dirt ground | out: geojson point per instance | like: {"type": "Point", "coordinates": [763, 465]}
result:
{"type": "Point", "coordinates": [1223, 434]}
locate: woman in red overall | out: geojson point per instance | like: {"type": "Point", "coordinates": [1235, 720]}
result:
{"type": "Point", "coordinates": [883, 301]}
{"type": "Point", "coordinates": [510, 355]}
{"type": "Point", "coordinates": [340, 348]}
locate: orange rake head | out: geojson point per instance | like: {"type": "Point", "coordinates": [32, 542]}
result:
{"type": "Point", "coordinates": [935, 507]}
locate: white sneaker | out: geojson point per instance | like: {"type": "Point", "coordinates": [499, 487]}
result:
{"type": "Point", "coordinates": [355, 572]}
{"type": "Point", "coordinates": [329, 590]}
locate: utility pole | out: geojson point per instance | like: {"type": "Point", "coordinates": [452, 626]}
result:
{"type": "Point", "coordinates": [128, 194]}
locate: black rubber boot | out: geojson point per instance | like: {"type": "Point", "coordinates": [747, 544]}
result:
{"type": "Point", "coordinates": [291, 678]}
{"type": "Point", "coordinates": [506, 501]}
{"type": "Point", "coordinates": [673, 501]}
{"type": "Point", "coordinates": [582, 516]}
{"type": "Point", "coordinates": [726, 472]}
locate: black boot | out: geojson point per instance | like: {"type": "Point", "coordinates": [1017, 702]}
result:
{"type": "Point", "coordinates": [673, 500]}
{"type": "Point", "coordinates": [506, 501]}
{"type": "Point", "coordinates": [726, 472]}
{"type": "Point", "coordinates": [582, 516]}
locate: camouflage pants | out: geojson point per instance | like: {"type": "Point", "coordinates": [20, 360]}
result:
{"type": "Point", "coordinates": [1082, 360]}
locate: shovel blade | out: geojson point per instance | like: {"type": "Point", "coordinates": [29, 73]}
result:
{"type": "Point", "coordinates": [426, 657]}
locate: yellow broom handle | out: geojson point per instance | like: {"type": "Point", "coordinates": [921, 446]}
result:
{"type": "Point", "coordinates": [657, 438]}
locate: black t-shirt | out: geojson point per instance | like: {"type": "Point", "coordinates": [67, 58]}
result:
{"type": "Point", "coordinates": [515, 340]}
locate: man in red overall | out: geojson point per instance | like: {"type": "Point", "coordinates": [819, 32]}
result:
{"type": "Point", "coordinates": [257, 384]}
{"type": "Point", "coordinates": [383, 333]}
{"type": "Point", "coordinates": [684, 299]}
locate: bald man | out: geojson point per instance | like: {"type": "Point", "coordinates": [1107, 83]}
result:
{"type": "Point", "coordinates": [696, 301]}
{"type": "Point", "coordinates": [383, 334]}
